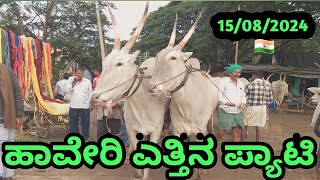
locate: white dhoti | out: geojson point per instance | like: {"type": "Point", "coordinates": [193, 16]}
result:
{"type": "Point", "coordinates": [256, 116]}
{"type": "Point", "coordinates": [6, 135]}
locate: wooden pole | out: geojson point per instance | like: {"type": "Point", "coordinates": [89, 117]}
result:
{"type": "Point", "coordinates": [236, 55]}
{"type": "Point", "coordinates": [103, 54]}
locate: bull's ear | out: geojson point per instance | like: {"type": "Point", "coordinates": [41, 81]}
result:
{"type": "Point", "coordinates": [187, 56]}
{"type": "Point", "coordinates": [136, 53]}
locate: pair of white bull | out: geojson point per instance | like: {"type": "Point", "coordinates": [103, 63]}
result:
{"type": "Point", "coordinates": [191, 106]}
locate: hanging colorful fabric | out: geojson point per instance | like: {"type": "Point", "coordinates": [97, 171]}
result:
{"type": "Point", "coordinates": [38, 66]}
{"type": "Point", "coordinates": [37, 93]}
{"type": "Point", "coordinates": [17, 59]}
{"type": "Point", "coordinates": [46, 67]}
{"type": "Point", "coordinates": [28, 54]}
{"type": "Point", "coordinates": [6, 56]}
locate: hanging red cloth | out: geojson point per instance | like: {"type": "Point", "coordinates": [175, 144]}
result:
{"type": "Point", "coordinates": [48, 49]}
{"type": "Point", "coordinates": [38, 64]}
{"type": "Point", "coordinates": [17, 58]}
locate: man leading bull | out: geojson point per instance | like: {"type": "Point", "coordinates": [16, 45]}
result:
{"type": "Point", "coordinates": [231, 97]}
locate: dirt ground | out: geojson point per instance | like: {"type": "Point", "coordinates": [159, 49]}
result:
{"type": "Point", "coordinates": [282, 125]}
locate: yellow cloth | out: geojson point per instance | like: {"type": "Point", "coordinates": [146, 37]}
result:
{"type": "Point", "coordinates": [46, 68]}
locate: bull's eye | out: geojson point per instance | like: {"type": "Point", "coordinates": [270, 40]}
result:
{"type": "Point", "coordinates": [119, 64]}
{"type": "Point", "coordinates": [173, 58]}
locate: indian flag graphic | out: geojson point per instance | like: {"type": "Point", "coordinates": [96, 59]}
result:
{"type": "Point", "coordinates": [263, 46]}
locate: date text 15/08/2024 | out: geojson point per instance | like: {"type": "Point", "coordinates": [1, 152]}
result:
{"type": "Point", "coordinates": [179, 156]}
{"type": "Point", "coordinates": [267, 25]}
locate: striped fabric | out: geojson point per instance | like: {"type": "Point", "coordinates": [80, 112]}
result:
{"type": "Point", "coordinates": [6, 135]}
{"type": "Point", "coordinates": [264, 46]}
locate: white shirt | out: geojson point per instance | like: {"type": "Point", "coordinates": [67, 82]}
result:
{"type": "Point", "coordinates": [61, 89]}
{"type": "Point", "coordinates": [233, 93]}
{"type": "Point", "coordinates": [80, 94]}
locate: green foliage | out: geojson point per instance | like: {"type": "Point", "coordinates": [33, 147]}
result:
{"type": "Point", "coordinates": [72, 27]}
{"type": "Point", "coordinates": [213, 52]}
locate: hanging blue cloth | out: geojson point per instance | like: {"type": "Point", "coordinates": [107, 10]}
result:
{"type": "Point", "coordinates": [6, 56]}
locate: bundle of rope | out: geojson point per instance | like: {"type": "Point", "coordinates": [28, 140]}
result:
{"type": "Point", "coordinates": [28, 55]}
{"type": "Point", "coordinates": [47, 67]}
{"type": "Point", "coordinates": [17, 58]}
{"type": "Point", "coordinates": [38, 66]}
{"type": "Point", "coordinates": [43, 102]}
{"type": "Point", "coordinates": [39, 101]}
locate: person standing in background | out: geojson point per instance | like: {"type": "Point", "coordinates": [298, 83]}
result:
{"type": "Point", "coordinates": [97, 73]}
{"type": "Point", "coordinates": [87, 74]}
{"type": "Point", "coordinates": [11, 112]}
{"type": "Point", "coordinates": [115, 117]}
{"type": "Point", "coordinates": [80, 103]}
{"type": "Point", "coordinates": [60, 89]}
{"type": "Point", "coordinates": [259, 96]}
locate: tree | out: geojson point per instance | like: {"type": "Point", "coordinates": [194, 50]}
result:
{"type": "Point", "coordinates": [213, 52]}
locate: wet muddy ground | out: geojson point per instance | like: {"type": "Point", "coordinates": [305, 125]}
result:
{"type": "Point", "coordinates": [282, 125]}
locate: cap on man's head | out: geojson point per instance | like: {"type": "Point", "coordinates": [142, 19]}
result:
{"type": "Point", "coordinates": [232, 68]}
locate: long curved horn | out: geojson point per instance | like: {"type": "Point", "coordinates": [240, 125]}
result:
{"type": "Point", "coordinates": [187, 37]}
{"type": "Point", "coordinates": [284, 78]}
{"type": "Point", "coordinates": [138, 30]}
{"type": "Point", "coordinates": [280, 77]}
{"type": "Point", "coordinates": [269, 77]}
{"type": "Point", "coordinates": [173, 34]}
{"type": "Point", "coordinates": [208, 71]}
{"type": "Point", "coordinates": [117, 41]}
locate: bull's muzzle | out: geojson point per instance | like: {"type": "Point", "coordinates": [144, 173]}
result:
{"type": "Point", "coordinates": [154, 90]}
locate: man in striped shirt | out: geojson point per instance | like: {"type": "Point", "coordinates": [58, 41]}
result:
{"type": "Point", "coordinates": [259, 96]}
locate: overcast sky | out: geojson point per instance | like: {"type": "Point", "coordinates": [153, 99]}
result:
{"type": "Point", "coordinates": [129, 13]}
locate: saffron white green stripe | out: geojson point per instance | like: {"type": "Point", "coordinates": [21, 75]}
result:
{"type": "Point", "coordinates": [264, 46]}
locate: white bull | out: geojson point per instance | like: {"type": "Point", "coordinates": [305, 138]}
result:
{"type": "Point", "coordinates": [315, 99]}
{"type": "Point", "coordinates": [244, 81]}
{"type": "Point", "coordinates": [143, 113]}
{"type": "Point", "coordinates": [192, 103]}
{"type": "Point", "coordinates": [279, 90]}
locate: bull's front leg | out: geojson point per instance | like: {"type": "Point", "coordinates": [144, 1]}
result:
{"type": "Point", "coordinates": [154, 137]}
{"type": "Point", "coordinates": [133, 146]}
{"type": "Point", "coordinates": [281, 99]}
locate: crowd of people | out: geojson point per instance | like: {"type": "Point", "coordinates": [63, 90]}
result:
{"type": "Point", "coordinates": [75, 89]}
